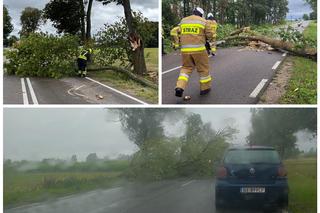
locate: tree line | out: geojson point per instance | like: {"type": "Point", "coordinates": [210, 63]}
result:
{"type": "Point", "coordinates": [237, 12]}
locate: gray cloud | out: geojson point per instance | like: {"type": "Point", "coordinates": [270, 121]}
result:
{"type": "Point", "coordinates": [100, 14]}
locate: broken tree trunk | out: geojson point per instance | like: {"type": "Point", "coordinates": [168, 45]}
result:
{"type": "Point", "coordinates": [134, 77]}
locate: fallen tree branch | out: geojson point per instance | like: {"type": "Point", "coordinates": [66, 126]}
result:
{"type": "Point", "coordinates": [134, 77]}
{"type": "Point", "coordinates": [279, 44]}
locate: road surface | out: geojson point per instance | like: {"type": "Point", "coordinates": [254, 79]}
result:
{"type": "Point", "coordinates": [178, 196]}
{"type": "Point", "coordinates": [18, 90]}
{"type": "Point", "coordinates": [239, 75]}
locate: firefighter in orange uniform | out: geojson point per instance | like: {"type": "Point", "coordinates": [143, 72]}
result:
{"type": "Point", "coordinates": [175, 35]}
{"type": "Point", "coordinates": [194, 32]}
{"type": "Point", "coordinates": [211, 46]}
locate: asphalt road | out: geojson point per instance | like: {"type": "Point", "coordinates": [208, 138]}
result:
{"type": "Point", "coordinates": [179, 196]}
{"type": "Point", "coordinates": [62, 91]}
{"type": "Point", "coordinates": [239, 75]}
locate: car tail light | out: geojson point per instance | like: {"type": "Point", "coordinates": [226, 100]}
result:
{"type": "Point", "coordinates": [282, 172]}
{"type": "Point", "coordinates": [222, 172]}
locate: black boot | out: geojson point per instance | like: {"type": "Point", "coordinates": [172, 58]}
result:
{"type": "Point", "coordinates": [204, 92]}
{"type": "Point", "coordinates": [179, 92]}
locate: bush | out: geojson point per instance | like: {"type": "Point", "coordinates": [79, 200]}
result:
{"type": "Point", "coordinates": [43, 55]}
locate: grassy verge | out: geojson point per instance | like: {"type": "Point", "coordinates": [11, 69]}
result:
{"type": "Point", "coordinates": [24, 188]}
{"type": "Point", "coordinates": [302, 87]}
{"type": "Point", "coordinates": [311, 31]}
{"type": "Point", "coordinates": [302, 177]}
{"type": "Point", "coordinates": [123, 83]}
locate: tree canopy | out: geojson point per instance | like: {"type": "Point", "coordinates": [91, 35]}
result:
{"type": "Point", "coordinates": [7, 25]}
{"type": "Point", "coordinates": [30, 20]}
{"type": "Point", "coordinates": [276, 127]}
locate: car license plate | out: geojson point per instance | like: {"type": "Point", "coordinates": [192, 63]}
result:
{"type": "Point", "coordinates": [252, 190]}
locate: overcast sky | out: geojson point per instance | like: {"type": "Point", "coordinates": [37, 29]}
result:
{"type": "Point", "coordinates": [109, 14]}
{"type": "Point", "coordinates": [34, 134]}
{"type": "Point", "coordinates": [100, 14]}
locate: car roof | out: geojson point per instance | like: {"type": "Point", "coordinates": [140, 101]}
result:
{"type": "Point", "coordinates": [253, 147]}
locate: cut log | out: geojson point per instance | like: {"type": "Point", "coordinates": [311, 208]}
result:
{"type": "Point", "coordinates": [279, 44]}
{"type": "Point", "coordinates": [132, 76]}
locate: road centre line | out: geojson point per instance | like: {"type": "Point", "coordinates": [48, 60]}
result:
{"type": "Point", "coordinates": [275, 66]}
{"type": "Point", "coordinates": [187, 183]}
{"type": "Point", "coordinates": [117, 91]}
{"type": "Point", "coordinates": [33, 95]}
{"type": "Point", "coordinates": [173, 69]}
{"type": "Point", "coordinates": [165, 72]}
{"type": "Point", "coordinates": [259, 87]}
{"type": "Point", "coordinates": [24, 92]}
{"type": "Point", "coordinates": [284, 54]}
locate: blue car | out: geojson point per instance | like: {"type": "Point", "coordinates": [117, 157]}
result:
{"type": "Point", "coordinates": [251, 176]}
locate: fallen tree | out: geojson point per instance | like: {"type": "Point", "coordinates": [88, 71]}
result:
{"type": "Point", "coordinates": [128, 73]}
{"type": "Point", "coordinates": [292, 48]}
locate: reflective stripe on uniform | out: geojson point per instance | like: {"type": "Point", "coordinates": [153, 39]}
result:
{"type": "Point", "coordinates": [83, 55]}
{"type": "Point", "coordinates": [206, 79]}
{"type": "Point", "coordinates": [183, 77]}
{"type": "Point", "coordinates": [193, 22]}
{"type": "Point", "coordinates": [192, 47]}
{"type": "Point", "coordinates": [192, 25]}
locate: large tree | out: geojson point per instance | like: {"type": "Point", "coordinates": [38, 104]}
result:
{"type": "Point", "coordinates": [134, 38]}
{"type": "Point", "coordinates": [7, 25]}
{"type": "Point", "coordinates": [277, 127]}
{"type": "Point", "coordinates": [30, 20]}
{"type": "Point", "coordinates": [70, 16]}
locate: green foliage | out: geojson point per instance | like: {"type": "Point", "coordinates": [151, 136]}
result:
{"type": "Point", "coordinates": [224, 31]}
{"type": "Point", "coordinates": [44, 56]}
{"type": "Point", "coordinates": [156, 160]}
{"type": "Point", "coordinates": [7, 25]}
{"type": "Point", "coordinates": [65, 15]}
{"type": "Point", "coordinates": [305, 17]}
{"type": "Point", "coordinates": [30, 20]}
{"type": "Point", "coordinates": [113, 42]}
{"type": "Point", "coordinates": [276, 127]}
{"type": "Point", "coordinates": [290, 34]}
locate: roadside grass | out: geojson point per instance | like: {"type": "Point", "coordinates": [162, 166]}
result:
{"type": "Point", "coordinates": [302, 178]}
{"type": "Point", "coordinates": [302, 87]}
{"type": "Point", "coordinates": [123, 83]}
{"type": "Point", "coordinates": [311, 31]}
{"type": "Point", "coordinates": [25, 188]}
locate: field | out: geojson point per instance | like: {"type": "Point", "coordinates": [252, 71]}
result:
{"type": "Point", "coordinates": [23, 188]}
{"type": "Point", "coordinates": [311, 31]}
{"type": "Point", "coordinates": [302, 177]}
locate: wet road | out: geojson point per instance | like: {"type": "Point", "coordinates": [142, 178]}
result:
{"type": "Point", "coordinates": [177, 196]}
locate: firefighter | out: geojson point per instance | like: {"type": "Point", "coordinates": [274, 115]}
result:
{"type": "Point", "coordinates": [84, 57]}
{"type": "Point", "coordinates": [175, 36]}
{"type": "Point", "coordinates": [211, 46]}
{"type": "Point", "coordinates": [194, 32]}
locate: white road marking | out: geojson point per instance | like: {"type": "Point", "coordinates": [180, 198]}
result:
{"type": "Point", "coordinates": [284, 54]}
{"type": "Point", "coordinates": [257, 90]}
{"type": "Point", "coordinates": [117, 91]}
{"type": "Point", "coordinates": [33, 95]}
{"type": "Point", "coordinates": [275, 66]}
{"type": "Point", "coordinates": [24, 92]}
{"type": "Point", "coordinates": [187, 183]}
{"type": "Point", "coordinates": [173, 69]}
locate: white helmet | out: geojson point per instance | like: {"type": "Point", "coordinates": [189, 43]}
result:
{"type": "Point", "coordinates": [200, 10]}
{"type": "Point", "coordinates": [210, 15]}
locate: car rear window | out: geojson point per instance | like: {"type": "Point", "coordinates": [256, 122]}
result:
{"type": "Point", "coordinates": [251, 156]}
